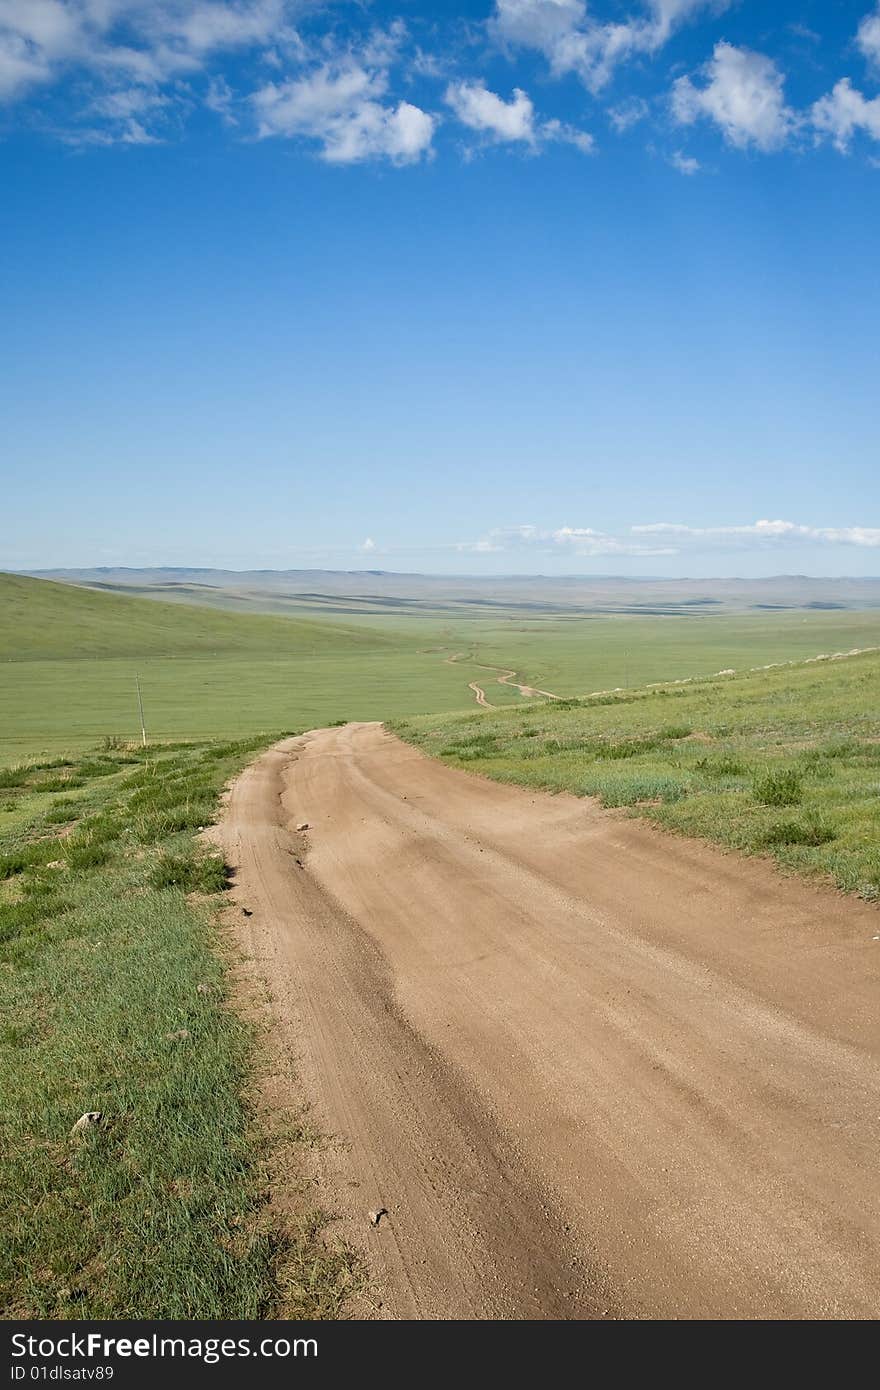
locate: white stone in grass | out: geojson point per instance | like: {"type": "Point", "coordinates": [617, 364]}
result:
{"type": "Point", "coordinates": [86, 1122]}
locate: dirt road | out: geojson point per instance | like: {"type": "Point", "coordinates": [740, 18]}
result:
{"type": "Point", "coordinates": [588, 1069]}
{"type": "Point", "coordinates": [505, 675]}
{"type": "Point", "coordinates": [479, 694]}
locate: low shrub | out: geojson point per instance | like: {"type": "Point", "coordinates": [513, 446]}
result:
{"type": "Point", "coordinates": [628, 791]}
{"type": "Point", "coordinates": [14, 777]}
{"type": "Point", "coordinates": [85, 854]}
{"type": "Point", "coordinates": [795, 832]}
{"type": "Point", "coordinates": [21, 917]}
{"type": "Point", "coordinates": [779, 787]}
{"type": "Point", "coordinates": [721, 766]}
{"type": "Point", "coordinates": [15, 861]}
{"type": "Point", "coordinates": [191, 873]}
{"type": "Point", "coordinates": [60, 784]}
{"type": "Point", "coordinates": [96, 767]}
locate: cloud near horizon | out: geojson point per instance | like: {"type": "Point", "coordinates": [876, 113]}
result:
{"type": "Point", "coordinates": [666, 538]}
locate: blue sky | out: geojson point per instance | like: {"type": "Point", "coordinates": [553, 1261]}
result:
{"type": "Point", "coordinates": [520, 286]}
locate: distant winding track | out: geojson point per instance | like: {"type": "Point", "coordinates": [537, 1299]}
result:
{"type": "Point", "coordinates": [589, 1070]}
{"type": "Point", "coordinates": [506, 677]}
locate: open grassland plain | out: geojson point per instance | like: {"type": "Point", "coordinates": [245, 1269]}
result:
{"type": "Point", "coordinates": [115, 1004]}
{"type": "Point", "coordinates": [68, 659]}
{"type": "Point", "coordinates": [782, 762]}
{"type": "Point", "coordinates": [573, 657]}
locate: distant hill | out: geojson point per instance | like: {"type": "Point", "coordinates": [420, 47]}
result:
{"type": "Point", "coordinates": [40, 620]}
{"type": "Point", "coordinates": [338, 593]}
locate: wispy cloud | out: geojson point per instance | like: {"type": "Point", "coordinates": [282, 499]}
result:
{"type": "Point", "coordinates": [868, 37]}
{"type": "Point", "coordinates": [665, 538]}
{"type": "Point", "coordinates": [573, 540]}
{"type": "Point", "coordinates": [130, 49]}
{"type": "Point", "coordinates": [628, 113]}
{"type": "Point", "coordinates": [685, 164]}
{"type": "Point", "coordinates": [772, 532]}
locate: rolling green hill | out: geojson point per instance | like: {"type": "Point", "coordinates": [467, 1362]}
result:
{"type": "Point", "coordinates": [69, 656]}
{"type": "Point", "coordinates": [42, 620]}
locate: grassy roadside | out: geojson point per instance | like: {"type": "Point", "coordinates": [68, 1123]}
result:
{"type": "Point", "coordinates": [782, 762]}
{"type": "Point", "coordinates": [115, 999]}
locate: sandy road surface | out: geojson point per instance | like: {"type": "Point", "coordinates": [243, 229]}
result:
{"type": "Point", "coordinates": [590, 1070]}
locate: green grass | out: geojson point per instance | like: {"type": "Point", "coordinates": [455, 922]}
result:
{"type": "Point", "coordinates": [114, 998]}
{"type": "Point", "coordinates": [113, 990]}
{"type": "Point", "coordinates": [783, 762]}
{"type": "Point", "coordinates": [71, 654]}
{"type": "Point", "coordinates": [43, 621]}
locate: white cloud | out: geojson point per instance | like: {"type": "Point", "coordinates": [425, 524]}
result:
{"type": "Point", "coordinates": [220, 99]}
{"type": "Point", "coordinates": [868, 36]}
{"type": "Point", "coordinates": [573, 42]}
{"type": "Point", "coordinates": [685, 164]}
{"type": "Point", "coordinates": [771, 531]}
{"type": "Point", "coordinates": [128, 102]}
{"type": "Point", "coordinates": [509, 121]}
{"type": "Point", "coordinates": [343, 110]}
{"type": "Point", "coordinates": [129, 46]}
{"type": "Point", "coordinates": [574, 540]}
{"type": "Point", "coordinates": [20, 67]}
{"type": "Point", "coordinates": [627, 113]}
{"type": "Point", "coordinates": [130, 70]}
{"type": "Point", "coordinates": [583, 540]}
{"type": "Point", "coordinates": [479, 109]}
{"type": "Point", "coordinates": [134, 53]}
{"type": "Point", "coordinates": [150, 39]}
{"type": "Point", "coordinates": [665, 538]}
{"type": "Point", "coordinates": [568, 135]}
{"type": "Point", "coordinates": [202, 28]}
{"type": "Point", "coordinates": [369, 544]}
{"type": "Point", "coordinates": [743, 95]}
{"type": "Point", "coordinates": [844, 111]}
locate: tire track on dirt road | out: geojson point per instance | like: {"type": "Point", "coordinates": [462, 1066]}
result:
{"type": "Point", "coordinates": [590, 1070]}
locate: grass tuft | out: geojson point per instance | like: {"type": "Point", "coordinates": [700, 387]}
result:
{"type": "Point", "coordinates": [799, 832]}
{"type": "Point", "coordinates": [190, 872]}
{"type": "Point", "coordinates": [779, 787]}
